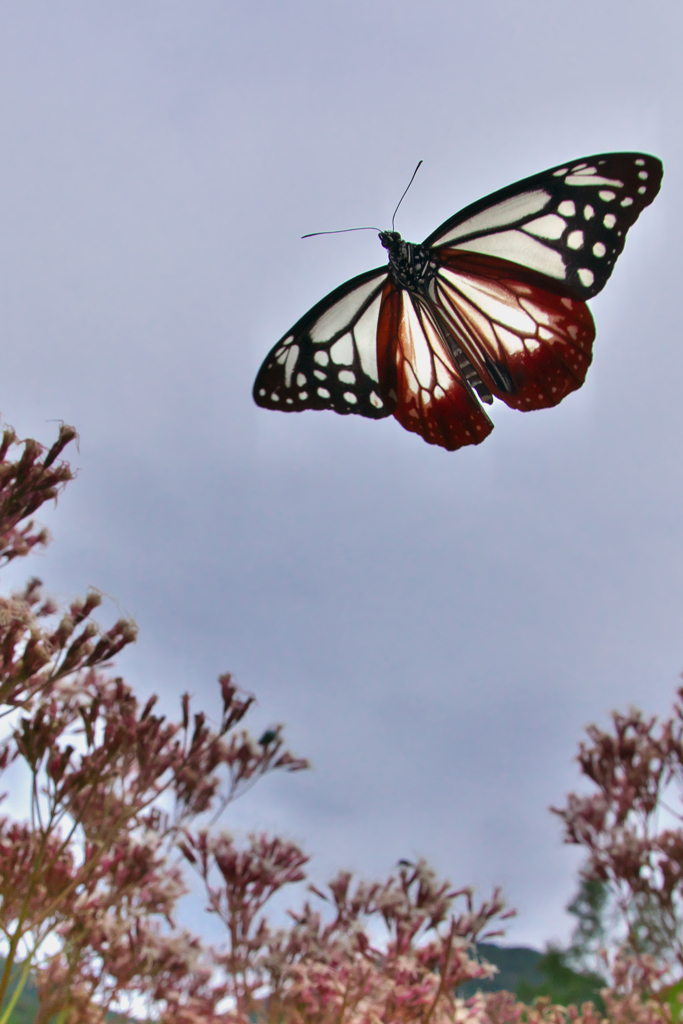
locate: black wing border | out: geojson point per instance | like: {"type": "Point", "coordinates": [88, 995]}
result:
{"type": "Point", "coordinates": [546, 179]}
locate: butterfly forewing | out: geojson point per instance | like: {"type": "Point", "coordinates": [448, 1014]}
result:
{"type": "Point", "coordinates": [568, 223]}
{"type": "Point", "coordinates": [419, 375]}
{"type": "Point", "coordinates": [531, 346]}
{"type": "Point", "coordinates": [329, 358]}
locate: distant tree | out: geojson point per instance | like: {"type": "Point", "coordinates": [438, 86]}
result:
{"type": "Point", "coordinates": [590, 907]}
{"type": "Point", "coordinates": [563, 984]}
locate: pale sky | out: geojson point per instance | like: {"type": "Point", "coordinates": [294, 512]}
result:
{"type": "Point", "coordinates": [435, 629]}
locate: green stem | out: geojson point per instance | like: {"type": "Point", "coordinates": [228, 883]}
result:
{"type": "Point", "coordinates": [19, 988]}
{"type": "Point", "coordinates": [18, 931]}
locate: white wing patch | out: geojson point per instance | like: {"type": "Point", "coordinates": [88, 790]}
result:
{"type": "Point", "coordinates": [595, 179]}
{"type": "Point", "coordinates": [508, 212]}
{"type": "Point", "coordinates": [365, 337]}
{"type": "Point", "coordinates": [550, 226]}
{"type": "Point", "coordinates": [519, 247]}
{"type": "Point", "coordinates": [340, 314]}
{"type": "Point", "coordinates": [342, 351]}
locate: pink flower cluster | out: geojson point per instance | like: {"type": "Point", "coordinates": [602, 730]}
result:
{"type": "Point", "coordinates": [630, 828]}
{"type": "Point", "coordinates": [90, 881]}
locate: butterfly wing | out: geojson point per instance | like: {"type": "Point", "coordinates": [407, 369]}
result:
{"type": "Point", "coordinates": [568, 223]}
{"type": "Point", "coordinates": [529, 339]}
{"type": "Point", "coordinates": [530, 346]}
{"type": "Point", "coordinates": [430, 394]}
{"type": "Point", "coordinates": [329, 358]}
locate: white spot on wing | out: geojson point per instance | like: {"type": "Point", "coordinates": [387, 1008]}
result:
{"type": "Point", "coordinates": [301, 379]}
{"type": "Point", "coordinates": [347, 376]}
{"type": "Point", "coordinates": [342, 350]}
{"type": "Point", "coordinates": [599, 249]}
{"type": "Point", "coordinates": [609, 220]}
{"type": "Point", "coordinates": [507, 212]}
{"type": "Point", "coordinates": [350, 397]}
{"type": "Point", "coordinates": [550, 226]}
{"type": "Point", "coordinates": [575, 240]}
{"type": "Point", "coordinates": [586, 277]}
{"type": "Point", "coordinates": [626, 202]}
{"type": "Point", "coordinates": [567, 208]}
{"type": "Point", "coordinates": [376, 400]}
{"type": "Point", "coordinates": [323, 392]}
{"type": "Point", "coordinates": [321, 358]}
{"type": "Point", "coordinates": [607, 196]}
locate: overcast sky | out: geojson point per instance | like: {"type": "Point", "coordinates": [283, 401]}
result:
{"type": "Point", "coordinates": [435, 629]}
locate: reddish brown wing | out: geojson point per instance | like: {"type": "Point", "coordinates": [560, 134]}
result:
{"type": "Point", "coordinates": [528, 338]}
{"type": "Point", "coordinates": [418, 374]}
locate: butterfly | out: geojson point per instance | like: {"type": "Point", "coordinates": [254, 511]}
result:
{"type": "Point", "coordinates": [491, 305]}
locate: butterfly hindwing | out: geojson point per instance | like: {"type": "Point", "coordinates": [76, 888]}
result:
{"type": "Point", "coordinates": [568, 223]}
{"type": "Point", "coordinates": [329, 358]}
{"type": "Point", "coordinates": [417, 369]}
{"type": "Point", "coordinates": [530, 345]}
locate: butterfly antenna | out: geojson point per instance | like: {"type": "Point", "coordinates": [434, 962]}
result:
{"type": "Point", "coordinates": [404, 194]}
{"type": "Point", "coordinates": [341, 231]}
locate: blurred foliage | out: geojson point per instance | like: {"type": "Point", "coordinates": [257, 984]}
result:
{"type": "Point", "coordinates": [562, 983]}
{"type": "Point", "coordinates": [671, 995]}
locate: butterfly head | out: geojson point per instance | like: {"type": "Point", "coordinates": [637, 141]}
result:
{"type": "Point", "coordinates": [389, 239]}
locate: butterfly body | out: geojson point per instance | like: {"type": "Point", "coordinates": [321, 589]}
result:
{"type": "Point", "coordinates": [492, 304]}
{"type": "Point", "coordinates": [411, 266]}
